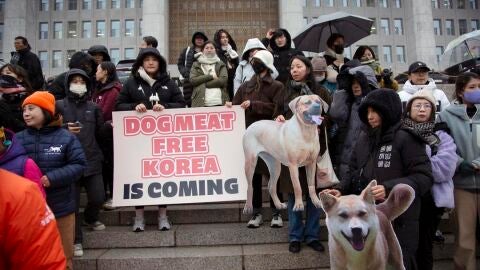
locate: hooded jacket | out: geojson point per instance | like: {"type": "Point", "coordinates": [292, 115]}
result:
{"type": "Point", "coordinates": [136, 90]}
{"type": "Point", "coordinates": [185, 60]}
{"type": "Point", "coordinates": [75, 108]}
{"type": "Point", "coordinates": [409, 89]}
{"type": "Point", "coordinates": [244, 70]}
{"type": "Point", "coordinates": [282, 55]}
{"type": "Point", "coordinates": [30, 62]}
{"type": "Point", "coordinates": [466, 133]}
{"type": "Point", "coordinates": [105, 98]}
{"type": "Point", "coordinates": [99, 49]}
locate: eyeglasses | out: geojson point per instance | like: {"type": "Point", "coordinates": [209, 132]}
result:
{"type": "Point", "coordinates": [419, 106]}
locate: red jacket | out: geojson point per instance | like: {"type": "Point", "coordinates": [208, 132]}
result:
{"type": "Point", "coordinates": [106, 98]}
{"type": "Point", "coordinates": [29, 238]}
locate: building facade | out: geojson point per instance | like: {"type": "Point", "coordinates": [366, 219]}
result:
{"type": "Point", "coordinates": [403, 30]}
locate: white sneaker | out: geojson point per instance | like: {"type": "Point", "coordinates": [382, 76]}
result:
{"type": "Point", "coordinates": [77, 250]}
{"type": "Point", "coordinates": [255, 221]}
{"type": "Point", "coordinates": [164, 224]}
{"type": "Point", "coordinates": [277, 221]}
{"type": "Point", "coordinates": [108, 205]}
{"type": "Point", "coordinates": [96, 226]}
{"type": "Point", "coordinates": [139, 225]}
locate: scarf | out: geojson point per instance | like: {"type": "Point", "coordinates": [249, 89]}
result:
{"type": "Point", "coordinates": [203, 59]}
{"type": "Point", "coordinates": [143, 74]}
{"type": "Point", "coordinates": [333, 54]}
{"type": "Point", "coordinates": [424, 130]}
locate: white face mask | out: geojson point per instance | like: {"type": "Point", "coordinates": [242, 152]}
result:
{"type": "Point", "coordinates": [319, 78]}
{"type": "Point", "coordinates": [79, 89]}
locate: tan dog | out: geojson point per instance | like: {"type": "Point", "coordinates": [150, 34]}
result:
{"type": "Point", "coordinates": [360, 234]}
{"type": "Point", "coordinates": [293, 143]}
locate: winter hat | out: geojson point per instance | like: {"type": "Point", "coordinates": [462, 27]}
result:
{"type": "Point", "coordinates": [386, 103]}
{"type": "Point", "coordinates": [266, 58]}
{"type": "Point", "coordinates": [424, 94]}
{"type": "Point", "coordinates": [319, 63]}
{"type": "Point", "coordinates": [42, 99]}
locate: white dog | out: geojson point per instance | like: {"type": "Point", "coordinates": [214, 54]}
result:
{"type": "Point", "coordinates": [360, 234]}
{"type": "Point", "coordinates": [294, 143]}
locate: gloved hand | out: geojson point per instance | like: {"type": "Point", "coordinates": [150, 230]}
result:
{"type": "Point", "coordinates": [466, 167]}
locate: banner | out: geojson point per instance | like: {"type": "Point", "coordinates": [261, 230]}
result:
{"type": "Point", "coordinates": [178, 156]}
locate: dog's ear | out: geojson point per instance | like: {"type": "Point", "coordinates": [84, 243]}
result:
{"type": "Point", "coordinates": [398, 201]}
{"type": "Point", "coordinates": [327, 200]}
{"type": "Point", "coordinates": [324, 105]}
{"type": "Point", "coordinates": [293, 104]}
{"type": "Point", "coordinates": [367, 192]}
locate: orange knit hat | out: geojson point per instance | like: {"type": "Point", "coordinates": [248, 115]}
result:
{"type": "Point", "coordinates": [42, 99]}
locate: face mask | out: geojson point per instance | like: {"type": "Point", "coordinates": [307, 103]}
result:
{"type": "Point", "coordinates": [8, 81]}
{"type": "Point", "coordinates": [258, 67]}
{"type": "Point", "coordinates": [79, 89]}
{"type": "Point", "coordinates": [319, 78]}
{"type": "Point", "coordinates": [338, 48]}
{"type": "Point", "coordinates": [472, 96]}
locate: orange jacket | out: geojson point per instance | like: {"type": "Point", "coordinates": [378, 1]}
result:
{"type": "Point", "coordinates": [29, 238]}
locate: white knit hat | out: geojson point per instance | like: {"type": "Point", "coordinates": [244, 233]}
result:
{"type": "Point", "coordinates": [266, 58]}
{"type": "Point", "coordinates": [424, 94]}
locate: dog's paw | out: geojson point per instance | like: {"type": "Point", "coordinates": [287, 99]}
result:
{"type": "Point", "coordinates": [298, 206]}
{"type": "Point", "coordinates": [247, 209]}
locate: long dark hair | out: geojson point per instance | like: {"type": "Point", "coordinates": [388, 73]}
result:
{"type": "Point", "coordinates": [21, 74]}
{"type": "Point", "coordinates": [361, 50]}
{"type": "Point", "coordinates": [216, 39]}
{"type": "Point", "coordinates": [462, 81]}
{"type": "Point", "coordinates": [111, 71]}
{"type": "Point", "coordinates": [309, 80]}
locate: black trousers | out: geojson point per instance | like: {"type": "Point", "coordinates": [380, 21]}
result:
{"type": "Point", "coordinates": [257, 195]}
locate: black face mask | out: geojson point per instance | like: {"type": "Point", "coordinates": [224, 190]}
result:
{"type": "Point", "coordinates": [338, 48]}
{"type": "Point", "coordinates": [258, 67]}
{"type": "Point", "coordinates": [8, 81]}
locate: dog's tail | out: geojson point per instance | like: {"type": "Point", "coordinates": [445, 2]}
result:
{"type": "Point", "coordinates": [398, 201]}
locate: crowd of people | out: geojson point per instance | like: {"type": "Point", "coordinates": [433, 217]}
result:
{"type": "Point", "coordinates": [59, 134]}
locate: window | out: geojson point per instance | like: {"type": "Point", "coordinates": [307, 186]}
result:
{"type": "Point", "coordinates": [329, 3]}
{"type": "Point", "coordinates": [69, 55]}
{"type": "Point", "coordinates": [140, 27]}
{"type": "Point", "coordinates": [384, 25]}
{"type": "Point", "coordinates": [398, 3]}
{"type": "Point", "coordinates": [86, 29]}
{"type": "Point", "coordinates": [140, 3]}
{"type": "Point", "coordinates": [461, 4]}
{"type": "Point", "coordinates": [357, 3]}
{"type": "Point", "coordinates": [129, 4]}
{"type": "Point", "coordinates": [375, 49]}
{"type": "Point", "coordinates": [317, 3]}
{"type": "Point", "coordinates": [305, 20]}
{"type": "Point", "coordinates": [115, 3]}
{"type": "Point", "coordinates": [447, 3]}
{"type": "Point", "coordinates": [400, 54]}
{"type": "Point", "coordinates": [43, 31]}
{"type": "Point", "coordinates": [370, 3]}
{"type": "Point", "coordinates": [72, 30]}
{"type": "Point", "coordinates": [129, 28]}
{"type": "Point", "coordinates": [57, 30]}
{"type": "Point", "coordinates": [87, 4]}
{"type": "Point", "coordinates": [43, 57]}
{"type": "Point", "coordinates": [345, 3]}
{"type": "Point", "coordinates": [115, 28]}
{"type": "Point", "coordinates": [435, 4]}
{"type": "Point", "coordinates": [398, 24]}
{"type": "Point", "coordinates": [462, 26]}
{"type": "Point", "coordinates": [387, 54]}
{"type": "Point", "coordinates": [101, 4]}
{"type": "Point", "coordinates": [373, 30]}
{"type": "Point", "coordinates": [449, 28]}
{"type": "Point", "coordinates": [475, 25]}
{"type": "Point", "coordinates": [2, 5]}
{"type": "Point", "coordinates": [72, 4]}
{"type": "Point", "coordinates": [438, 52]}
{"type": "Point", "coordinates": [101, 29]}
{"type": "Point", "coordinates": [383, 3]}
{"type": "Point", "coordinates": [473, 4]}
{"type": "Point", "coordinates": [129, 53]}
{"type": "Point", "coordinates": [1, 31]}
{"type": "Point", "coordinates": [115, 55]}
{"type": "Point", "coordinates": [58, 4]}
{"type": "Point", "coordinates": [304, 3]}
{"type": "Point", "coordinates": [57, 59]}
{"type": "Point", "coordinates": [437, 27]}
{"type": "Point", "coordinates": [43, 5]}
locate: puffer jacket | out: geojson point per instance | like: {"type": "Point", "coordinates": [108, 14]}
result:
{"type": "Point", "coordinates": [409, 89]}
{"type": "Point", "coordinates": [60, 156]}
{"type": "Point", "coordinates": [185, 60]}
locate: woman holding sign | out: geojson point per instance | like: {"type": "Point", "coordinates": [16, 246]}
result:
{"type": "Point", "coordinates": [149, 88]}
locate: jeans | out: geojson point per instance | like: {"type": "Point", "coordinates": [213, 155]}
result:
{"type": "Point", "coordinates": [297, 231]}
{"type": "Point", "coordinates": [96, 196]}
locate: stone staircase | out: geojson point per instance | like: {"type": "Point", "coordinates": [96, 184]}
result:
{"type": "Point", "coordinates": [207, 236]}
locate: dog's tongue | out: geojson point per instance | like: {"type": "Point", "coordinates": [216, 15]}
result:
{"type": "Point", "coordinates": [317, 119]}
{"type": "Point", "coordinates": [357, 242]}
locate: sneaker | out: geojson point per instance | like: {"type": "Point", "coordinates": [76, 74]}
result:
{"type": "Point", "coordinates": [316, 245]}
{"type": "Point", "coordinates": [77, 250]}
{"type": "Point", "coordinates": [255, 221]}
{"type": "Point", "coordinates": [108, 205]}
{"type": "Point", "coordinates": [96, 226]}
{"type": "Point", "coordinates": [164, 224]}
{"type": "Point", "coordinates": [277, 221]}
{"type": "Point", "coordinates": [139, 225]}
{"type": "Point", "coordinates": [294, 247]}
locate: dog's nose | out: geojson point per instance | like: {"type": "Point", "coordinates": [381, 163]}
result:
{"type": "Point", "coordinates": [356, 231]}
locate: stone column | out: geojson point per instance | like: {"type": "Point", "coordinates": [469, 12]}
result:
{"type": "Point", "coordinates": [424, 38]}
{"type": "Point", "coordinates": [155, 23]}
{"type": "Point", "coordinates": [15, 24]}
{"type": "Point", "coordinates": [290, 16]}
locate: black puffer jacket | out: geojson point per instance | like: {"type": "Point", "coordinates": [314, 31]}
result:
{"type": "Point", "coordinates": [136, 90]}
{"type": "Point", "coordinates": [391, 155]}
{"type": "Point", "coordinates": [282, 55]}
{"type": "Point", "coordinates": [185, 60]}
